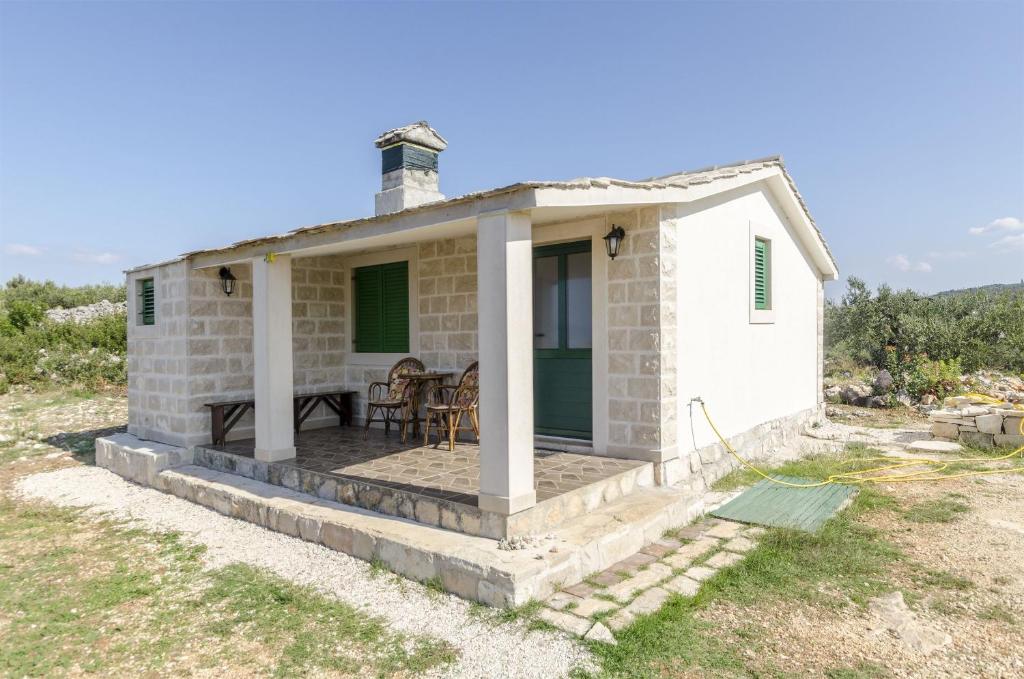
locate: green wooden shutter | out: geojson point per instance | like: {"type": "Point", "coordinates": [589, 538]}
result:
{"type": "Point", "coordinates": [762, 272]}
{"type": "Point", "coordinates": [382, 308]}
{"type": "Point", "coordinates": [395, 298]}
{"type": "Point", "coordinates": [147, 302]}
{"type": "Point", "coordinates": [369, 335]}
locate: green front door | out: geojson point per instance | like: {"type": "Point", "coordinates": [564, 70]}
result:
{"type": "Point", "coordinates": [561, 340]}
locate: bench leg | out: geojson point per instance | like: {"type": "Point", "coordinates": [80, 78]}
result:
{"type": "Point", "coordinates": [217, 425]}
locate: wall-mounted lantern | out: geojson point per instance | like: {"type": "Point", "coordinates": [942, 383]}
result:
{"type": "Point", "coordinates": [227, 280]}
{"type": "Point", "coordinates": [613, 240]}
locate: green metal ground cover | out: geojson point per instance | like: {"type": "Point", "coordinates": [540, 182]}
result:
{"type": "Point", "coordinates": [772, 504]}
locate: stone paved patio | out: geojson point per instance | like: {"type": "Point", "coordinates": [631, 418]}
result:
{"type": "Point", "coordinates": [610, 600]}
{"type": "Point", "coordinates": [425, 470]}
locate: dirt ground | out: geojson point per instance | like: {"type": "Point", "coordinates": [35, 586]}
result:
{"type": "Point", "coordinates": [963, 577]}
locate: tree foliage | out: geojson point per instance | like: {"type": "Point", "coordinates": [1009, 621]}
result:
{"type": "Point", "coordinates": [48, 295]}
{"type": "Point", "coordinates": [975, 329]}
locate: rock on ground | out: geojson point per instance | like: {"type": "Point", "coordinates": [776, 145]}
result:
{"type": "Point", "coordinates": [894, 615]}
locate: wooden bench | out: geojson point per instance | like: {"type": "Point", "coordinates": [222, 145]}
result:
{"type": "Point", "coordinates": [224, 415]}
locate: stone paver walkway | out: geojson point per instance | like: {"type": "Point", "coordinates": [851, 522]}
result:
{"type": "Point", "coordinates": [676, 564]}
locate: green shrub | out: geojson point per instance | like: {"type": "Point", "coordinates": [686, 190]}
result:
{"type": "Point", "coordinates": [38, 351]}
{"type": "Point", "coordinates": [22, 314]}
{"type": "Point", "coordinates": [90, 354]}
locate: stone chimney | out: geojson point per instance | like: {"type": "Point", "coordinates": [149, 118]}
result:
{"type": "Point", "coordinates": [408, 167]}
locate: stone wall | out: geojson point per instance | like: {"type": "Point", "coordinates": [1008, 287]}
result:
{"type": "Point", "coordinates": [641, 339]}
{"type": "Point", "coordinates": [978, 423]}
{"type": "Point", "coordinates": [447, 303]}
{"type": "Point", "coordinates": [157, 357]}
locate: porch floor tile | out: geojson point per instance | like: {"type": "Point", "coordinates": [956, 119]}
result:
{"type": "Point", "coordinates": [426, 470]}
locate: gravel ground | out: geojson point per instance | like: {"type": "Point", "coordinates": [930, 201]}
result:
{"type": "Point", "coordinates": [486, 648]}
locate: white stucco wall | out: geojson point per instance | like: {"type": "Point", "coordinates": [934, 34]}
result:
{"type": "Point", "coordinates": [747, 373]}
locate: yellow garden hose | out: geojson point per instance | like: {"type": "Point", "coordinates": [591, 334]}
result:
{"type": "Point", "coordinates": [875, 475]}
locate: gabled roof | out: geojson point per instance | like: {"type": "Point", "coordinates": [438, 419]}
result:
{"type": "Point", "coordinates": [671, 183]}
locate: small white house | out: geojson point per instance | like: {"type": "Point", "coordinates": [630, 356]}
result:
{"type": "Point", "coordinates": [714, 290]}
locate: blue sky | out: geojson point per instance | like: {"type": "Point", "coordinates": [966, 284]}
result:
{"type": "Point", "coordinates": [131, 132]}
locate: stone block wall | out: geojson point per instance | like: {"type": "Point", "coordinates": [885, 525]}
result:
{"type": "Point", "coordinates": [157, 357]}
{"type": "Point", "coordinates": [318, 321]}
{"type": "Point", "coordinates": [642, 338]}
{"type": "Point", "coordinates": [447, 303]}
{"type": "Point", "coordinates": [978, 423]}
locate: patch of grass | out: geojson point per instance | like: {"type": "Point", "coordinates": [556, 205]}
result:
{"type": "Point", "coordinates": [862, 670]}
{"type": "Point", "coordinates": [670, 642]}
{"type": "Point", "coordinates": [943, 606]}
{"type": "Point", "coordinates": [941, 510]}
{"type": "Point", "coordinates": [845, 556]}
{"type": "Point", "coordinates": [856, 457]}
{"type": "Point", "coordinates": [434, 586]}
{"type": "Point", "coordinates": [999, 614]}
{"type": "Point", "coordinates": [526, 612]}
{"type": "Point", "coordinates": [941, 580]}
{"type": "Point", "coordinates": [82, 596]}
{"type": "Point", "coordinates": [377, 568]}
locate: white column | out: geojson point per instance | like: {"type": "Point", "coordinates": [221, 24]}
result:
{"type": "Point", "coordinates": [272, 357]}
{"type": "Point", "coordinates": [505, 310]}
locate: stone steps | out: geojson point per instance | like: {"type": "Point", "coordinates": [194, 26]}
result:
{"type": "Point", "coordinates": [470, 566]}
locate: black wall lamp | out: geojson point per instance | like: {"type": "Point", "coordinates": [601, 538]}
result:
{"type": "Point", "coordinates": [227, 280]}
{"type": "Point", "coordinates": [613, 240]}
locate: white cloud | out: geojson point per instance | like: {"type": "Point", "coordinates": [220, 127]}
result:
{"type": "Point", "coordinates": [1011, 242]}
{"type": "Point", "coordinates": [902, 263]}
{"type": "Point", "coordinates": [96, 257]}
{"type": "Point", "coordinates": [949, 254]}
{"type": "Point", "coordinates": [19, 250]}
{"type": "Point", "coordinates": [1001, 224]}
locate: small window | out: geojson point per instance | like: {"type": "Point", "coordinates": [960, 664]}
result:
{"type": "Point", "coordinates": [762, 274]}
{"type": "Point", "coordinates": [146, 302]}
{"type": "Point", "coordinates": [381, 299]}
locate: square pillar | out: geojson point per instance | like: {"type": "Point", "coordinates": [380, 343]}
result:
{"type": "Point", "coordinates": [272, 357]}
{"type": "Point", "coordinates": [505, 312]}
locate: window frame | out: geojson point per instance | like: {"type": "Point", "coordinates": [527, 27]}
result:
{"type": "Point", "coordinates": [140, 304]}
{"type": "Point", "coordinates": [407, 254]}
{"type": "Point", "coordinates": [765, 315]}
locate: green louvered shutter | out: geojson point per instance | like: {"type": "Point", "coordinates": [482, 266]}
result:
{"type": "Point", "coordinates": [382, 308]}
{"type": "Point", "coordinates": [369, 319]}
{"type": "Point", "coordinates": [395, 296]}
{"type": "Point", "coordinates": [762, 271]}
{"type": "Point", "coordinates": [147, 302]}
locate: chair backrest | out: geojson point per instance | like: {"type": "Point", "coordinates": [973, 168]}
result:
{"type": "Point", "coordinates": [468, 393]}
{"type": "Point", "coordinates": [398, 386]}
{"type": "Point", "coordinates": [409, 364]}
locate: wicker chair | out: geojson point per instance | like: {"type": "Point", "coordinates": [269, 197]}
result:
{"type": "Point", "coordinates": [395, 397]}
{"type": "Point", "coordinates": [447, 403]}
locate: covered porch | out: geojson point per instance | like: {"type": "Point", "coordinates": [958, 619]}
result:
{"type": "Point", "coordinates": [469, 294]}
